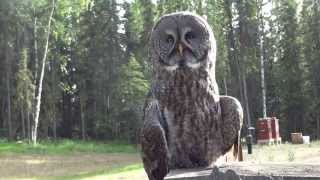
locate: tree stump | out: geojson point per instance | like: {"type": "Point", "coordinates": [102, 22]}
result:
{"type": "Point", "coordinates": [250, 171]}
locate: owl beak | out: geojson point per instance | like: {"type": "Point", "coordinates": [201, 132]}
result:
{"type": "Point", "coordinates": [180, 48]}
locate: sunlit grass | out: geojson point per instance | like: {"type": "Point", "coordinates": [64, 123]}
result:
{"type": "Point", "coordinates": [129, 172]}
{"type": "Point", "coordinates": [112, 171]}
{"type": "Point", "coordinates": [127, 175]}
{"type": "Point", "coordinates": [285, 152]}
{"type": "Point", "coordinates": [65, 147]}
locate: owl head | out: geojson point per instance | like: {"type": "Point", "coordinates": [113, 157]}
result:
{"type": "Point", "coordinates": [182, 40]}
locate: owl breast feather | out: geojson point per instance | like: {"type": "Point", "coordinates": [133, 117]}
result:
{"type": "Point", "coordinates": [191, 112]}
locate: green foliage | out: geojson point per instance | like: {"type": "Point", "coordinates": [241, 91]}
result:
{"type": "Point", "coordinates": [132, 85]}
{"type": "Point", "coordinates": [25, 86]}
{"type": "Point", "coordinates": [97, 70]}
{"type": "Point", "coordinates": [291, 86]}
{"type": "Point", "coordinates": [309, 30]}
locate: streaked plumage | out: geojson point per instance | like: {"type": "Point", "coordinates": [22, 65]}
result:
{"type": "Point", "coordinates": [186, 123]}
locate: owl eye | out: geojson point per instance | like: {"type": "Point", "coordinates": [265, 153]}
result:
{"type": "Point", "coordinates": [170, 39]}
{"type": "Point", "coordinates": [190, 35]}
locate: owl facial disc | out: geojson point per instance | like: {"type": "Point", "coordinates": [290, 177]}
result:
{"type": "Point", "coordinates": [182, 40]}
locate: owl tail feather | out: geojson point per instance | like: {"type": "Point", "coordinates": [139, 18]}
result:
{"type": "Point", "coordinates": [235, 152]}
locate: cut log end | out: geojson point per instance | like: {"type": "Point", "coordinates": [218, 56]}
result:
{"type": "Point", "coordinates": [250, 171]}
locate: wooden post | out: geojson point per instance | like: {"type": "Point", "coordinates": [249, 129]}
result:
{"type": "Point", "coordinates": [249, 171]}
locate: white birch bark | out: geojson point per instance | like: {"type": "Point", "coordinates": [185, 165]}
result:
{"type": "Point", "coordinates": [38, 98]}
{"type": "Point", "coordinates": [261, 34]}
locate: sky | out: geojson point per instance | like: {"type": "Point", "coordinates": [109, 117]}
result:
{"type": "Point", "coordinates": [267, 8]}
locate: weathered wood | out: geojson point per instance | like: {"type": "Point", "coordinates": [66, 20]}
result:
{"type": "Point", "coordinates": [250, 171]}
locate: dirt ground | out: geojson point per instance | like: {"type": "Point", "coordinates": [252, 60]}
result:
{"type": "Point", "coordinates": [43, 166]}
{"type": "Point", "coordinates": [129, 175]}
{"type": "Point", "coordinates": [18, 166]}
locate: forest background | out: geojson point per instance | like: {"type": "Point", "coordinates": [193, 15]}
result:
{"type": "Point", "coordinates": [96, 71]}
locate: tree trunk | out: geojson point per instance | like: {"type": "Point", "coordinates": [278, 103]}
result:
{"type": "Point", "coordinates": [3, 110]}
{"type": "Point", "coordinates": [54, 126]}
{"type": "Point", "coordinates": [38, 98]}
{"type": "Point", "coordinates": [261, 34]}
{"type": "Point", "coordinates": [95, 113]}
{"type": "Point", "coordinates": [9, 121]}
{"type": "Point", "coordinates": [67, 119]}
{"type": "Point", "coordinates": [28, 126]}
{"type": "Point", "coordinates": [318, 128]}
{"type": "Point", "coordinates": [240, 82]}
{"type": "Point", "coordinates": [35, 44]}
{"type": "Point", "coordinates": [8, 87]}
{"type": "Point", "coordinates": [247, 109]}
{"type": "Point", "coordinates": [83, 126]}
{"type": "Point", "coordinates": [233, 59]}
{"type": "Point", "coordinates": [23, 127]}
{"type": "Point", "coordinates": [225, 86]}
{"type": "Point", "coordinates": [36, 69]}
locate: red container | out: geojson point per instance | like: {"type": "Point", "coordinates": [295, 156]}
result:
{"type": "Point", "coordinates": [296, 138]}
{"type": "Point", "coordinates": [275, 128]}
{"type": "Point", "coordinates": [264, 130]}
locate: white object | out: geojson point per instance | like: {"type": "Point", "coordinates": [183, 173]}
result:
{"type": "Point", "coordinates": [306, 139]}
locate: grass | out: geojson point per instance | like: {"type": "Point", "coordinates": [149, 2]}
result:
{"type": "Point", "coordinates": [112, 171]}
{"type": "Point", "coordinates": [69, 159]}
{"type": "Point", "coordinates": [129, 172]}
{"type": "Point", "coordinates": [298, 153]}
{"type": "Point", "coordinates": [116, 170]}
{"type": "Point", "coordinates": [65, 147]}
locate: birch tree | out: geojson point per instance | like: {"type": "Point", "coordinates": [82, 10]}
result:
{"type": "Point", "coordinates": [261, 36]}
{"type": "Point", "coordinates": [38, 98]}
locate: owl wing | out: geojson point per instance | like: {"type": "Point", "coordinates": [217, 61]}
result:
{"type": "Point", "coordinates": [153, 142]}
{"type": "Point", "coordinates": [232, 119]}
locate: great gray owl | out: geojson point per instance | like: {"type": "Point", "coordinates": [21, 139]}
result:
{"type": "Point", "coordinates": [186, 123]}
